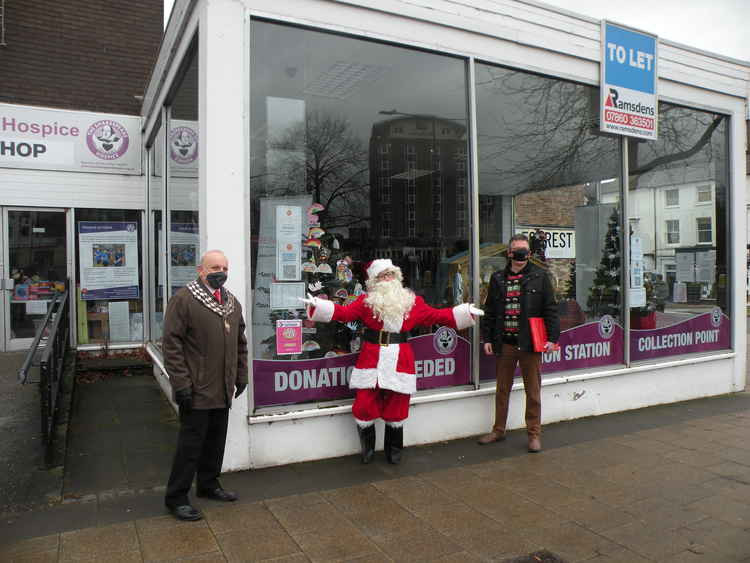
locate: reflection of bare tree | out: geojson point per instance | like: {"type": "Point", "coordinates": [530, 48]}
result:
{"type": "Point", "coordinates": [325, 156]}
{"type": "Point", "coordinates": [545, 133]}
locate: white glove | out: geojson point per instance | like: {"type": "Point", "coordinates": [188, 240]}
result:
{"type": "Point", "coordinates": [310, 301]}
{"type": "Point", "coordinates": [475, 311]}
{"type": "Point", "coordinates": [315, 286]}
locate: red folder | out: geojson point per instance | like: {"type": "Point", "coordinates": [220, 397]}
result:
{"type": "Point", "coordinates": [538, 333]}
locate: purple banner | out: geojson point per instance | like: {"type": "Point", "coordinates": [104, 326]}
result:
{"type": "Point", "coordinates": [442, 359]}
{"type": "Point", "coordinates": [703, 333]}
{"type": "Point", "coordinates": [589, 345]}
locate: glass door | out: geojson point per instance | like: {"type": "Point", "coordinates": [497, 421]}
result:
{"type": "Point", "coordinates": [36, 266]}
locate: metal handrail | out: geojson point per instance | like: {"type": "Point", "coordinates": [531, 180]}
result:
{"type": "Point", "coordinates": [23, 373]}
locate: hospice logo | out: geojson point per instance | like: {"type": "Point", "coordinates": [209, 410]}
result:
{"type": "Point", "coordinates": [716, 317]}
{"type": "Point", "coordinates": [107, 139]}
{"type": "Point", "coordinates": [606, 326]}
{"type": "Point", "coordinates": [183, 143]}
{"type": "Point", "coordinates": [445, 340]}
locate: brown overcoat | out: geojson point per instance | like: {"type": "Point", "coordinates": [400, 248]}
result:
{"type": "Point", "coordinates": [199, 352]}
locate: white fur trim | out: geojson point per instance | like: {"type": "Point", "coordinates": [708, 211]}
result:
{"type": "Point", "coordinates": [379, 266]}
{"type": "Point", "coordinates": [397, 424]}
{"type": "Point", "coordinates": [462, 316]}
{"type": "Point", "coordinates": [384, 375]}
{"type": "Point", "coordinates": [323, 312]}
{"type": "Point", "coordinates": [364, 423]}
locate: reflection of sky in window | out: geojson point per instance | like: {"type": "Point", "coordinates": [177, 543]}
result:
{"type": "Point", "coordinates": [351, 78]}
{"type": "Point", "coordinates": [536, 132]}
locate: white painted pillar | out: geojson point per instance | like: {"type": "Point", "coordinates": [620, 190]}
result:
{"type": "Point", "coordinates": [224, 203]}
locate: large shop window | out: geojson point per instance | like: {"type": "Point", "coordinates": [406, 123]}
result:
{"type": "Point", "coordinates": [109, 280]}
{"type": "Point", "coordinates": [544, 170]}
{"type": "Point", "coordinates": [358, 152]}
{"type": "Point", "coordinates": [182, 240]}
{"type": "Point", "coordinates": [678, 196]}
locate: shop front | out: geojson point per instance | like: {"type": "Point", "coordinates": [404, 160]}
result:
{"type": "Point", "coordinates": [71, 219]}
{"type": "Point", "coordinates": [305, 146]}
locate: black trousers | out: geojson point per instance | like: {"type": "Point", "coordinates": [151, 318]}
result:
{"type": "Point", "coordinates": [200, 451]}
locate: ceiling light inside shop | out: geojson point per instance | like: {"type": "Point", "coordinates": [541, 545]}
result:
{"type": "Point", "coordinates": [343, 78]}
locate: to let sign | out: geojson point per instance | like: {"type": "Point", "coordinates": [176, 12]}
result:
{"type": "Point", "coordinates": [629, 104]}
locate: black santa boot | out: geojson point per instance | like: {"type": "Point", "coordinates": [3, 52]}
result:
{"type": "Point", "coordinates": [367, 442]}
{"type": "Point", "coordinates": [394, 443]}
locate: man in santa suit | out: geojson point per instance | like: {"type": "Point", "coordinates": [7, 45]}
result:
{"type": "Point", "coordinates": [384, 375]}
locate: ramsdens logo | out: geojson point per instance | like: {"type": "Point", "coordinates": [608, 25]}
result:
{"type": "Point", "coordinates": [613, 100]}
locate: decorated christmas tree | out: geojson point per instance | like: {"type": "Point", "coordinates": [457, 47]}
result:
{"type": "Point", "coordinates": [604, 295]}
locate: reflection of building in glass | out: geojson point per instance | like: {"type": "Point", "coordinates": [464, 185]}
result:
{"type": "Point", "coordinates": [418, 176]}
{"type": "Point", "coordinates": [677, 228]}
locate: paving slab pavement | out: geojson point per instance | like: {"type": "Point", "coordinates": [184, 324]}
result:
{"type": "Point", "coordinates": [665, 483]}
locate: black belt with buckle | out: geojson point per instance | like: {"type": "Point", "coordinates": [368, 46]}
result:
{"type": "Point", "coordinates": [385, 338]}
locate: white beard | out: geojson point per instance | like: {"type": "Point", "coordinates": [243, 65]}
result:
{"type": "Point", "coordinates": [389, 300]}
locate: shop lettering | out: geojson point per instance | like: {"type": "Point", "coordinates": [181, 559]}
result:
{"type": "Point", "coordinates": [311, 378]}
{"type": "Point", "coordinates": [10, 148]}
{"type": "Point", "coordinates": [667, 341]}
{"type": "Point", "coordinates": [587, 350]}
{"type": "Point", "coordinates": [634, 57]}
{"type": "Point", "coordinates": [437, 368]}
{"type": "Point", "coordinates": [560, 240]}
{"type": "Point", "coordinates": [43, 129]}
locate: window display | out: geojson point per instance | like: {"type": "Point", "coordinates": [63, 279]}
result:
{"type": "Point", "coordinates": [358, 152]}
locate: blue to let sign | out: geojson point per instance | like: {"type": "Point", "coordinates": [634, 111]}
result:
{"type": "Point", "coordinates": [629, 104]}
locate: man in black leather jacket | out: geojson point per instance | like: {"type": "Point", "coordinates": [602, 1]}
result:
{"type": "Point", "coordinates": [520, 291]}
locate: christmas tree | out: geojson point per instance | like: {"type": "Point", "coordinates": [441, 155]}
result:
{"type": "Point", "coordinates": [604, 295]}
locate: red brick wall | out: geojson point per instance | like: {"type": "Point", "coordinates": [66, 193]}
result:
{"type": "Point", "coordinates": [555, 207]}
{"type": "Point", "coordinates": [76, 54]}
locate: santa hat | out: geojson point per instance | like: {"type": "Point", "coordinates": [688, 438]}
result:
{"type": "Point", "coordinates": [379, 266]}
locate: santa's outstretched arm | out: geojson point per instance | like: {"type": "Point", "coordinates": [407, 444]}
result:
{"type": "Point", "coordinates": [458, 317]}
{"type": "Point", "coordinates": [324, 311]}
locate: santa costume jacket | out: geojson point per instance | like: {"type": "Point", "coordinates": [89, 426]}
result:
{"type": "Point", "coordinates": [392, 366]}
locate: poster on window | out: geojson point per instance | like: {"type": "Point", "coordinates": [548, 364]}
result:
{"type": "Point", "coordinates": [108, 260]}
{"type": "Point", "coordinates": [184, 245]}
{"type": "Point", "coordinates": [288, 242]}
{"type": "Point", "coordinates": [265, 271]}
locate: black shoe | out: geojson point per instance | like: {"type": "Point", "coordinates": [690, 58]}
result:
{"type": "Point", "coordinates": [394, 443]}
{"type": "Point", "coordinates": [367, 442]}
{"type": "Point", "coordinates": [185, 512]}
{"type": "Point", "coordinates": [218, 494]}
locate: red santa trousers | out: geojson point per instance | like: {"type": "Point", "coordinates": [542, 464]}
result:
{"type": "Point", "coordinates": [370, 404]}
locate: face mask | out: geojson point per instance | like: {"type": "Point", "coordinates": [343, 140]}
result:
{"type": "Point", "coordinates": [520, 255]}
{"type": "Point", "coordinates": [216, 279]}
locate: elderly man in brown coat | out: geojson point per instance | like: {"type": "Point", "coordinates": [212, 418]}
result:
{"type": "Point", "coordinates": [205, 355]}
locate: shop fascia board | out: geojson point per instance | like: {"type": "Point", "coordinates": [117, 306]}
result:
{"type": "Point", "coordinates": [489, 388]}
{"type": "Point", "coordinates": [576, 35]}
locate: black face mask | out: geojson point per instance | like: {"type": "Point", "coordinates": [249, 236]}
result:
{"type": "Point", "coordinates": [520, 255]}
{"type": "Point", "coordinates": [216, 279]}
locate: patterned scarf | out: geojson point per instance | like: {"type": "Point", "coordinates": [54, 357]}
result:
{"type": "Point", "coordinates": [200, 292]}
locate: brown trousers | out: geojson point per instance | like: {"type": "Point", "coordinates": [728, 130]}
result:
{"type": "Point", "coordinates": [530, 363]}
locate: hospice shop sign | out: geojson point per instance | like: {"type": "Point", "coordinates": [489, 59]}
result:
{"type": "Point", "coordinates": [442, 359]}
{"type": "Point", "coordinates": [629, 103]}
{"type": "Point", "coordinates": [48, 139]}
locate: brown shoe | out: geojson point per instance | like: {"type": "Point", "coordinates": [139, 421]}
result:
{"type": "Point", "coordinates": [535, 445]}
{"type": "Point", "coordinates": [493, 436]}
